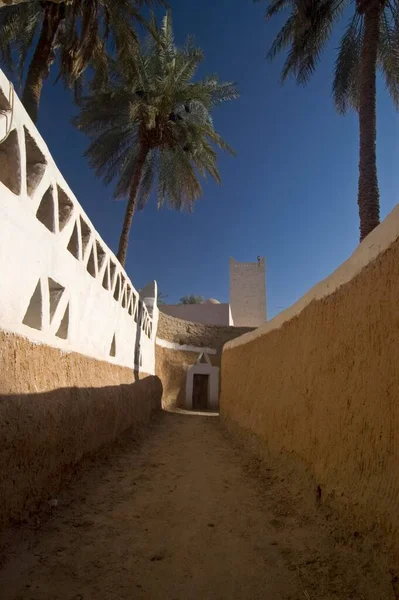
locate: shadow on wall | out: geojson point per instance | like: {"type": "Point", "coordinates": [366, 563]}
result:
{"type": "Point", "coordinates": [322, 387]}
{"type": "Point", "coordinates": [45, 435]}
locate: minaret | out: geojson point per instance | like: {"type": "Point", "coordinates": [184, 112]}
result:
{"type": "Point", "coordinates": [248, 292]}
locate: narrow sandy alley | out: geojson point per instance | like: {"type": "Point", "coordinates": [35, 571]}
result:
{"type": "Point", "coordinates": [183, 516]}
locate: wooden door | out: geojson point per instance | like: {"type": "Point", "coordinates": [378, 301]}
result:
{"type": "Point", "coordinates": [200, 391]}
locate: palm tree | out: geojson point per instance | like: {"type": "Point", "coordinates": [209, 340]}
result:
{"type": "Point", "coordinates": [370, 42]}
{"type": "Point", "coordinates": [153, 122]}
{"type": "Point", "coordinates": [77, 29]}
{"type": "Point", "coordinates": [161, 298]}
{"type": "Point", "coordinates": [191, 299]}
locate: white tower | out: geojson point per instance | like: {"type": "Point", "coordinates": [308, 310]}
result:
{"type": "Point", "coordinates": [248, 292]}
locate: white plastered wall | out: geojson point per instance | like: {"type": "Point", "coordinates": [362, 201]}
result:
{"type": "Point", "coordinates": [248, 293]}
{"type": "Point", "coordinates": [208, 314]}
{"type": "Point", "coordinates": [59, 283]}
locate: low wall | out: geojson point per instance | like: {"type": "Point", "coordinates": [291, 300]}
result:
{"type": "Point", "coordinates": [206, 313]}
{"type": "Point", "coordinates": [318, 386]}
{"type": "Point", "coordinates": [179, 344]}
{"type": "Point", "coordinates": [54, 409]}
{"type": "Point", "coordinates": [183, 332]}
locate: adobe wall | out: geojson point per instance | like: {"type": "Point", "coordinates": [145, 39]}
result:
{"type": "Point", "coordinates": [54, 409]}
{"type": "Point", "coordinates": [183, 332]}
{"type": "Point", "coordinates": [318, 386]}
{"type": "Point", "coordinates": [178, 346]}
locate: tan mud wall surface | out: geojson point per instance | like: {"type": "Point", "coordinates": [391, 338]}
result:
{"type": "Point", "coordinates": [54, 409]}
{"type": "Point", "coordinates": [195, 334]}
{"type": "Point", "coordinates": [322, 392]}
{"type": "Point", "coordinates": [171, 365]}
{"type": "Point", "coordinates": [171, 368]}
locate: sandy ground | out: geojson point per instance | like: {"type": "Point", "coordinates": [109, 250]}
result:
{"type": "Point", "coordinates": [183, 516]}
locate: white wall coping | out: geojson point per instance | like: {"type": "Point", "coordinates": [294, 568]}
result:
{"type": "Point", "coordinates": [183, 347]}
{"type": "Point", "coordinates": [377, 242]}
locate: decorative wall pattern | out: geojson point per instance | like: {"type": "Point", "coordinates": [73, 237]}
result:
{"type": "Point", "coordinates": [60, 283]}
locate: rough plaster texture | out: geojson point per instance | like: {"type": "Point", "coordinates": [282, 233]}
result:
{"type": "Point", "coordinates": [248, 293]}
{"type": "Point", "coordinates": [189, 340]}
{"type": "Point", "coordinates": [60, 284]}
{"type": "Point", "coordinates": [182, 332]}
{"type": "Point", "coordinates": [171, 368]}
{"type": "Point", "coordinates": [55, 408]}
{"type": "Point", "coordinates": [208, 314]}
{"type": "Point", "coordinates": [321, 387]}
{"type": "Point", "coordinates": [184, 347]}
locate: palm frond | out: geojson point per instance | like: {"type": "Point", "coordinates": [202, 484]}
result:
{"type": "Point", "coordinates": [88, 32]}
{"type": "Point", "coordinates": [305, 32]}
{"type": "Point", "coordinates": [18, 25]}
{"type": "Point", "coordinates": [275, 7]}
{"type": "Point", "coordinates": [388, 55]}
{"type": "Point", "coordinates": [283, 38]}
{"type": "Point", "coordinates": [347, 66]}
{"type": "Point", "coordinates": [26, 39]}
{"type": "Point", "coordinates": [147, 179]}
{"type": "Point", "coordinates": [157, 109]}
{"type": "Point", "coordinates": [127, 165]}
{"type": "Point", "coordinates": [178, 185]}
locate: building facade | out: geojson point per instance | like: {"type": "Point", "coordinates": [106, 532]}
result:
{"type": "Point", "coordinates": [247, 306]}
{"type": "Point", "coordinates": [248, 292]}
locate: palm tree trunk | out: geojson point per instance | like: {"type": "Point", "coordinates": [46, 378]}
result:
{"type": "Point", "coordinates": [368, 193]}
{"type": "Point", "coordinates": [41, 60]}
{"type": "Point", "coordinates": [131, 205]}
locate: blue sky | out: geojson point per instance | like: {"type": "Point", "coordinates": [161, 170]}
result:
{"type": "Point", "coordinates": [290, 193]}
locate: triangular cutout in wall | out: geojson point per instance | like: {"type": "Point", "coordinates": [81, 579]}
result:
{"type": "Point", "coordinates": [55, 292]}
{"type": "Point", "coordinates": [45, 212]}
{"type": "Point", "coordinates": [106, 281]}
{"type": "Point", "coordinates": [73, 245]}
{"type": "Point", "coordinates": [91, 263]}
{"type": "Point", "coordinates": [64, 325]}
{"type": "Point", "coordinates": [36, 163]}
{"type": "Point", "coordinates": [65, 208]}
{"type": "Point", "coordinates": [10, 161]}
{"type": "Point", "coordinates": [34, 314]}
{"type": "Point", "coordinates": [112, 351]}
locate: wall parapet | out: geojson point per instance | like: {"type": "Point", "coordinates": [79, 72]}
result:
{"type": "Point", "coordinates": [184, 347]}
{"type": "Point", "coordinates": [379, 240]}
{"type": "Point", "coordinates": [181, 332]}
{"type": "Point", "coordinates": [60, 283]}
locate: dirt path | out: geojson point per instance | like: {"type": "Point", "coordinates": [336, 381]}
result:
{"type": "Point", "coordinates": [182, 517]}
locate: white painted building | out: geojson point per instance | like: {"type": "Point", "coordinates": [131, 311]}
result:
{"type": "Point", "coordinates": [209, 312]}
{"type": "Point", "coordinates": [247, 306]}
{"type": "Point", "coordinates": [248, 292]}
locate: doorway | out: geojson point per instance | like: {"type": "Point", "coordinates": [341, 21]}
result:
{"type": "Point", "coordinates": [200, 391]}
